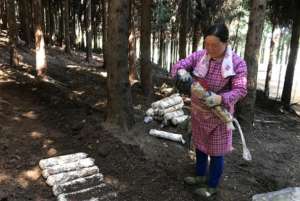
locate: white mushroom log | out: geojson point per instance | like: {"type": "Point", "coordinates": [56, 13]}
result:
{"type": "Point", "coordinates": [76, 165]}
{"type": "Point", "coordinates": [178, 120]}
{"type": "Point", "coordinates": [96, 193]}
{"type": "Point", "coordinates": [77, 184]}
{"type": "Point", "coordinates": [167, 135]}
{"type": "Point", "coordinates": [58, 160]}
{"type": "Point", "coordinates": [67, 176]}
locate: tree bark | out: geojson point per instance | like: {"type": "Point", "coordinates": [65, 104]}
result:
{"type": "Point", "coordinates": [12, 33]}
{"type": "Point", "coordinates": [88, 31]}
{"type": "Point", "coordinates": [66, 14]}
{"type": "Point", "coordinates": [196, 35]}
{"type": "Point", "coordinates": [40, 52]}
{"type": "Point", "coordinates": [51, 23]}
{"type": "Point", "coordinates": [104, 20]}
{"type": "Point", "coordinates": [270, 64]}
{"type": "Point", "coordinates": [131, 45]}
{"type": "Point", "coordinates": [255, 29]}
{"type": "Point", "coordinates": [289, 75]}
{"type": "Point", "coordinates": [25, 25]}
{"type": "Point", "coordinates": [61, 20]}
{"type": "Point", "coordinates": [146, 70]}
{"type": "Point", "coordinates": [183, 29]}
{"type": "Point", "coordinates": [161, 41]}
{"type": "Point", "coordinates": [4, 14]}
{"type": "Point", "coordinates": [120, 110]}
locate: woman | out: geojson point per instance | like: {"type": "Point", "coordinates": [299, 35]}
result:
{"type": "Point", "coordinates": [225, 75]}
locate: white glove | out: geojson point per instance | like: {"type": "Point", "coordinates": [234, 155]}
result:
{"type": "Point", "coordinates": [183, 75]}
{"type": "Point", "coordinates": [212, 99]}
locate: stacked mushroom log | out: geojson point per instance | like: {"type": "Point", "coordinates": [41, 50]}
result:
{"type": "Point", "coordinates": [168, 110]}
{"type": "Point", "coordinates": [75, 177]}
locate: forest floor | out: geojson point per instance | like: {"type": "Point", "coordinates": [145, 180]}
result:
{"type": "Point", "coordinates": [40, 120]}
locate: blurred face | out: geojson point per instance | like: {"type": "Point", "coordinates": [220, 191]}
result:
{"type": "Point", "coordinates": [214, 46]}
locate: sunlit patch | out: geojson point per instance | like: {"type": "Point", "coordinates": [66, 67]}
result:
{"type": "Point", "coordinates": [18, 119]}
{"type": "Point", "coordinates": [28, 176]}
{"type": "Point", "coordinates": [100, 104]}
{"type": "Point", "coordinates": [22, 182]}
{"type": "Point", "coordinates": [72, 66]}
{"type": "Point", "coordinates": [116, 183]}
{"type": "Point", "coordinates": [52, 152]}
{"type": "Point", "coordinates": [79, 92]}
{"type": "Point", "coordinates": [111, 180]}
{"type": "Point", "coordinates": [3, 178]}
{"type": "Point", "coordinates": [36, 135]}
{"type": "Point", "coordinates": [33, 174]}
{"type": "Point", "coordinates": [46, 143]}
{"type": "Point", "coordinates": [30, 115]}
{"type": "Point", "coordinates": [103, 74]}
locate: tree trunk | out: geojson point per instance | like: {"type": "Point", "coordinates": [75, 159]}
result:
{"type": "Point", "coordinates": [289, 75]}
{"type": "Point", "coordinates": [4, 14]}
{"type": "Point", "coordinates": [67, 27]}
{"type": "Point", "coordinates": [51, 23]}
{"type": "Point", "coordinates": [196, 35]}
{"type": "Point", "coordinates": [287, 53]}
{"type": "Point", "coordinates": [270, 64]}
{"type": "Point", "coordinates": [120, 110]}
{"type": "Point", "coordinates": [235, 42]}
{"type": "Point", "coordinates": [255, 29]}
{"type": "Point", "coordinates": [280, 47]}
{"type": "Point", "coordinates": [161, 41]}
{"type": "Point", "coordinates": [146, 70]}
{"type": "Point", "coordinates": [104, 20]}
{"type": "Point", "coordinates": [183, 29]}
{"type": "Point", "coordinates": [88, 31]}
{"type": "Point", "coordinates": [12, 33]}
{"type": "Point", "coordinates": [131, 46]}
{"type": "Point", "coordinates": [40, 52]}
{"type": "Point", "coordinates": [153, 46]}
{"type": "Point", "coordinates": [73, 24]}
{"type": "Point", "coordinates": [262, 50]}
{"type": "Point", "coordinates": [95, 25]}
{"type": "Point", "coordinates": [61, 24]}
{"type": "Point", "coordinates": [25, 25]}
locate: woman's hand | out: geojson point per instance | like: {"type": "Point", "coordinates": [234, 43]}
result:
{"type": "Point", "coordinates": [212, 99]}
{"type": "Point", "coordinates": [183, 81]}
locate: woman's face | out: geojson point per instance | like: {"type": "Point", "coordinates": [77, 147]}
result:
{"type": "Point", "coordinates": [214, 46]}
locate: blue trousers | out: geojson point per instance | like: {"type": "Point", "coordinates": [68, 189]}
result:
{"type": "Point", "coordinates": [216, 167]}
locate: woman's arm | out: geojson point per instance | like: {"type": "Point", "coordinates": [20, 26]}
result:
{"type": "Point", "coordinates": [188, 63]}
{"type": "Point", "coordinates": [238, 86]}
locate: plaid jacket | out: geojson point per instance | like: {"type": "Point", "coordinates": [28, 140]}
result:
{"type": "Point", "coordinates": [210, 134]}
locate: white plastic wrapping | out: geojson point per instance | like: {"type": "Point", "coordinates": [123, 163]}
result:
{"type": "Point", "coordinates": [179, 120]}
{"type": "Point", "coordinates": [58, 160]}
{"type": "Point", "coordinates": [167, 102]}
{"type": "Point", "coordinates": [74, 185]}
{"type": "Point", "coordinates": [98, 197]}
{"type": "Point", "coordinates": [173, 108]}
{"type": "Point", "coordinates": [67, 176]}
{"type": "Point", "coordinates": [98, 188]}
{"type": "Point", "coordinates": [286, 194]}
{"type": "Point", "coordinates": [167, 135]}
{"type": "Point", "coordinates": [76, 165]}
{"type": "Point", "coordinates": [171, 115]}
{"type": "Point", "coordinates": [150, 112]}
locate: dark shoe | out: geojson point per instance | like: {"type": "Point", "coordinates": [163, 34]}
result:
{"type": "Point", "coordinates": [206, 192]}
{"type": "Point", "coordinates": [198, 180]}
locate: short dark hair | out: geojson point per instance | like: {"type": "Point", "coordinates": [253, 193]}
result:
{"type": "Point", "coordinates": [218, 30]}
